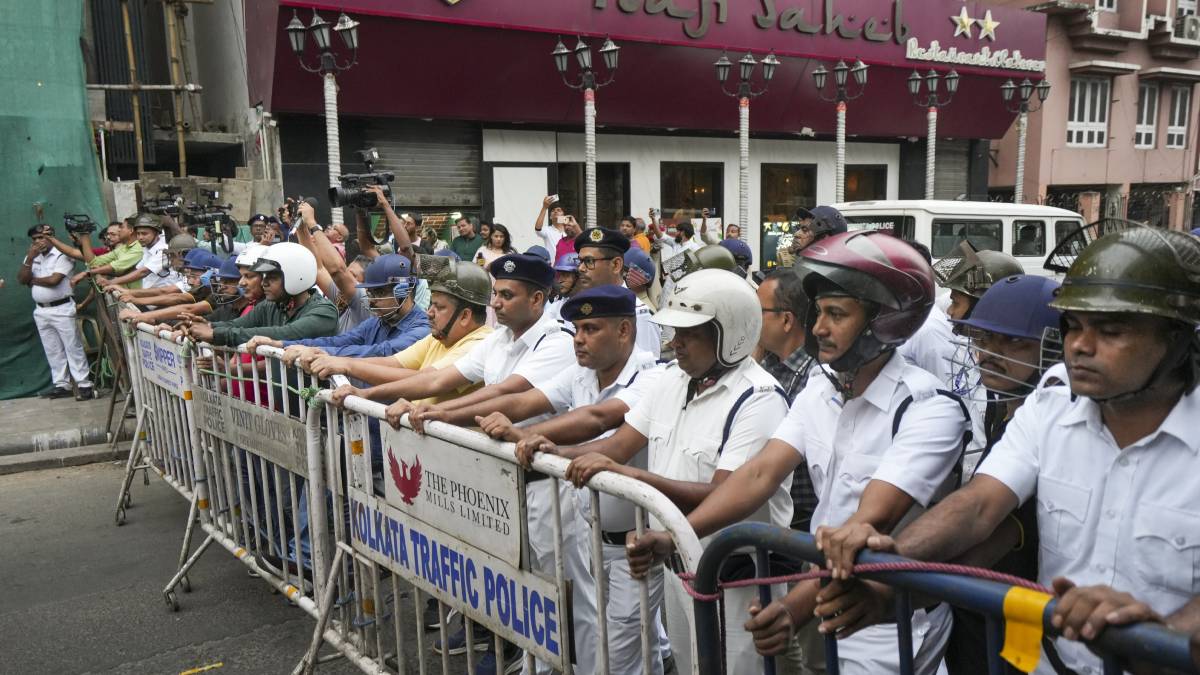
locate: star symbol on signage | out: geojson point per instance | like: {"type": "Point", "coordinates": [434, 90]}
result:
{"type": "Point", "coordinates": [963, 23]}
{"type": "Point", "coordinates": [987, 26]}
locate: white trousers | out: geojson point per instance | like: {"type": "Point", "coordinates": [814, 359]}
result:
{"type": "Point", "coordinates": [625, 616]}
{"type": "Point", "coordinates": [576, 547]}
{"type": "Point", "coordinates": [876, 649]}
{"type": "Point", "coordinates": [740, 655]}
{"type": "Point", "coordinates": [62, 344]}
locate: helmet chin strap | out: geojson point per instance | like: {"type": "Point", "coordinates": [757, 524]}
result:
{"type": "Point", "coordinates": [444, 331]}
{"type": "Point", "coordinates": [1177, 355]}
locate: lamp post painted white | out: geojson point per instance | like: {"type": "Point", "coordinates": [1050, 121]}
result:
{"type": "Point", "coordinates": [328, 66]}
{"type": "Point", "coordinates": [841, 94]}
{"type": "Point", "coordinates": [745, 91]}
{"type": "Point", "coordinates": [588, 83]}
{"type": "Point", "coordinates": [1024, 106]}
{"type": "Point", "coordinates": [931, 102]}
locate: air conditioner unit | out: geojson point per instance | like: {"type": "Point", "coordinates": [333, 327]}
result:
{"type": "Point", "coordinates": [1188, 27]}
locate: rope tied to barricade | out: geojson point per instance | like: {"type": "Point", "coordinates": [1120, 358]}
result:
{"type": "Point", "coordinates": [864, 569]}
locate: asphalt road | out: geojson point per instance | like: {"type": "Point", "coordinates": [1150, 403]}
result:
{"type": "Point", "coordinates": [80, 595]}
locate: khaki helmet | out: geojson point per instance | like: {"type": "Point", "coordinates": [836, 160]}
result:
{"type": "Point", "coordinates": [146, 220]}
{"type": "Point", "coordinates": [467, 282]}
{"type": "Point", "coordinates": [181, 243]}
{"type": "Point", "coordinates": [973, 272]}
{"type": "Point", "coordinates": [1142, 270]}
{"type": "Point", "coordinates": [711, 257]}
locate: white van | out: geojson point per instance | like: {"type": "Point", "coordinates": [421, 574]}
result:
{"type": "Point", "coordinates": [1028, 232]}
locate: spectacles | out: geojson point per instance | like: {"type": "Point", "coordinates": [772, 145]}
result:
{"type": "Point", "coordinates": [776, 310]}
{"type": "Point", "coordinates": [590, 262]}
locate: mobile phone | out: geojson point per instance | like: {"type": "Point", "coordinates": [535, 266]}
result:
{"type": "Point", "coordinates": [553, 199]}
{"type": "Point", "coordinates": [563, 220]}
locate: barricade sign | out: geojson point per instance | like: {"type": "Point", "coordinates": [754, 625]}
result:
{"type": "Point", "coordinates": [520, 605]}
{"type": "Point", "coordinates": [162, 362]}
{"type": "Point", "coordinates": [478, 497]}
{"type": "Point", "coordinates": [277, 438]}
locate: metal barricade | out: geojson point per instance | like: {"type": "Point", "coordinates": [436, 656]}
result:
{"type": "Point", "coordinates": [450, 519]}
{"type": "Point", "coordinates": [1014, 616]}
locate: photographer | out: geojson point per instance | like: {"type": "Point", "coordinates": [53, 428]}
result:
{"type": "Point", "coordinates": [120, 258]}
{"type": "Point", "coordinates": [45, 270]}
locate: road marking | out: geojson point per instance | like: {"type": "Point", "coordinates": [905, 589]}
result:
{"type": "Point", "coordinates": [202, 669]}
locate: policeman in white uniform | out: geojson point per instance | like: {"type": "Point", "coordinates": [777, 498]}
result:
{"type": "Point", "coordinates": [591, 399]}
{"type": "Point", "coordinates": [709, 413]}
{"type": "Point", "coordinates": [602, 262]}
{"type": "Point", "coordinates": [1106, 458]}
{"type": "Point", "coordinates": [47, 272]}
{"type": "Point", "coordinates": [155, 260]}
{"type": "Point", "coordinates": [529, 349]}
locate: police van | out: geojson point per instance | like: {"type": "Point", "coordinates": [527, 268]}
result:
{"type": "Point", "coordinates": [1027, 232]}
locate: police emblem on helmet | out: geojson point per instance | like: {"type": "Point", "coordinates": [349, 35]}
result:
{"type": "Point", "coordinates": [509, 266]}
{"type": "Point", "coordinates": [585, 309]}
{"type": "Point", "coordinates": [596, 235]}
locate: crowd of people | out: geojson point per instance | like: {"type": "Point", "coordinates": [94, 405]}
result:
{"type": "Point", "coordinates": [1038, 428]}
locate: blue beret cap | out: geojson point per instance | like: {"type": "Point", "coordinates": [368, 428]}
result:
{"type": "Point", "coordinates": [600, 301]}
{"type": "Point", "coordinates": [528, 268]}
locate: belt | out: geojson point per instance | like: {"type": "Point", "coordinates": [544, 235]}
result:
{"type": "Point", "coordinates": [614, 538]}
{"type": "Point", "coordinates": [56, 303]}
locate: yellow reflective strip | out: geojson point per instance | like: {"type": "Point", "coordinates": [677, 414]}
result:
{"type": "Point", "coordinates": [141, 435]}
{"type": "Point", "coordinates": [368, 606]}
{"type": "Point", "coordinates": [356, 447]}
{"type": "Point", "coordinates": [203, 669]}
{"type": "Point", "coordinates": [291, 591]}
{"type": "Point", "coordinates": [202, 504]}
{"type": "Point", "coordinates": [1023, 609]}
{"type": "Point", "coordinates": [187, 394]}
{"type": "Point", "coordinates": [240, 553]}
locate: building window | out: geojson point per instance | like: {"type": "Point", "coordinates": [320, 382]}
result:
{"type": "Point", "coordinates": [783, 188]}
{"type": "Point", "coordinates": [691, 186]}
{"type": "Point", "coordinates": [1107, 5]}
{"type": "Point", "coordinates": [1177, 120]}
{"type": "Point", "coordinates": [984, 235]}
{"type": "Point", "coordinates": [865, 182]}
{"type": "Point", "coordinates": [1147, 115]}
{"type": "Point", "coordinates": [612, 191]}
{"type": "Point", "coordinates": [1185, 7]}
{"type": "Point", "coordinates": [1029, 237]}
{"type": "Point", "coordinates": [1087, 115]}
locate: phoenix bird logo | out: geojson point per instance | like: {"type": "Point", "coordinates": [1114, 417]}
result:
{"type": "Point", "coordinates": [407, 480]}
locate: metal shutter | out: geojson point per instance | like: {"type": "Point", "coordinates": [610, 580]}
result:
{"type": "Point", "coordinates": [953, 168]}
{"type": "Point", "coordinates": [436, 163]}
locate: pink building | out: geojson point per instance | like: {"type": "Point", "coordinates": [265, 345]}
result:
{"type": "Point", "coordinates": [1117, 135]}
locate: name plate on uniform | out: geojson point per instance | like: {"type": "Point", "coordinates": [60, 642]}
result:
{"type": "Point", "coordinates": [522, 607]}
{"type": "Point", "coordinates": [162, 362]}
{"type": "Point", "coordinates": [476, 496]}
{"type": "Point", "coordinates": [273, 436]}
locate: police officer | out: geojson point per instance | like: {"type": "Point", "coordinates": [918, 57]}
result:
{"type": "Point", "coordinates": [601, 263]}
{"type": "Point", "coordinates": [154, 269]}
{"type": "Point", "coordinates": [711, 410]}
{"type": "Point", "coordinates": [47, 272]}
{"type": "Point", "coordinates": [1105, 455]}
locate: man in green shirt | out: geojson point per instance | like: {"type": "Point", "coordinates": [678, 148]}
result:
{"type": "Point", "coordinates": [468, 240]}
{"type": "Point", "coordinates": [121, 259]}
{"type": "Point", "coordinates": [291, 310]}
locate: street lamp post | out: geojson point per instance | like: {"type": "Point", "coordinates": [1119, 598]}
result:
{"type": "Point", "coordinates": [588, 83]}
{"type": "Point", "coordinates": [1024, 106]}
{"type": "Point", "coordinates": [744, 93]}
{"type": "Point", "coordinates": [841, 94]}
{"type": "Point", "coordinates": [328, 66]}
{"type": "Point", "coordinates": [931, 102]}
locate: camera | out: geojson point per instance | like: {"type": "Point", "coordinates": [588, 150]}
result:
{"type": "Point", "coordinates": [169, 201]}
{"type": "Point", "coordinates": [79, 223]}
{"type": "Point", "coordinates": [353, 192]}
{"type": "Point", "coordinates": [214, 219]}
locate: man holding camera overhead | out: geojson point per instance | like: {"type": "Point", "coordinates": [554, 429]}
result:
{"type": "Point", "coordinates": [46, 271]}
{"type": "Point", "coordinates": [122, 256]}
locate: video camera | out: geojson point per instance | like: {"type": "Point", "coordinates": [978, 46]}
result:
{"type": "Point", "coordinates": [169, 201]}
{"type": "Point", "coordinates": [79, 223]}
{"type": "Point", "coordinates": [214, 219]}
{"type": "Point", "coordinates": [353, 192]}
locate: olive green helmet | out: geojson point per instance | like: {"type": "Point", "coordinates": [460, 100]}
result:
{"type": "Point", "coordinates": [181, 243]}
{"type": "Point", "coordinates": [147, 220]}
{"type": "Point", "coordinates": [1142, 270]}
{"type": "Point", "coordinates": [465, 281]}
{"type": "Point", "coordinates": [711, 257]}
{"type": "Point", "coordinates": [973, 272]}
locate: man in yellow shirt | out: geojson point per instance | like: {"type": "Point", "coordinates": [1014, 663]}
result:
{"type": "Point", "coordinates": [459, 294]}
{"type": "Point", "coordinates": [120, 259]}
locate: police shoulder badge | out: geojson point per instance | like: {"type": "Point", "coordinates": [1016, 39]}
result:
{"type": "Point", "coordinates": [510, 266]}
{"type": "Point", "coordinates": [596, 235]}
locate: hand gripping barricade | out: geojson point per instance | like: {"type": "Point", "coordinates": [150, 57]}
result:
{"type": "Point", "coordinates": [450, 519]}
{"type": "Point", "coordinates": [1016, 612]}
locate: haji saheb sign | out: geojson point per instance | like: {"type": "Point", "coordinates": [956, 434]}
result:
{"type": "Point", "coordinates": [162, 362]}
{"type": "Point", "coordinates": [476, 497]}
{"type": "Point", "coordinates": [273, 436]}
{"type": "Point", "coordinates": [520, 605]}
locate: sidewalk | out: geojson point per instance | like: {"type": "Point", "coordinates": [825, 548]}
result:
{"type": "Point", "coordinates": [38, 433]}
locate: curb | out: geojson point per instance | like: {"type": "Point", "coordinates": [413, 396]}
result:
{"type": "Point", "coordinates": [62, 457]}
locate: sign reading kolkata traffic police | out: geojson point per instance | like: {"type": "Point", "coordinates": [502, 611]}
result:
{"type": "Point", "coordinates": [473, 495]}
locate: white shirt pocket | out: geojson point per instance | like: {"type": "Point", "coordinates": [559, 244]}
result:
{"type": "Point", "coordinates": [1167, 547]}
{"type": "Point", "coordinates": [1062, 510]}
{"type": "Point", "coordinates": [853, 473]}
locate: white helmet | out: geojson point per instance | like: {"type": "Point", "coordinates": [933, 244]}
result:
{"type": "Point", "coordinates": [293, 262]}
{"type": "Point", "coordinates": [721, 297]}
{"type": "Point", "coordinates": [250, 255]}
